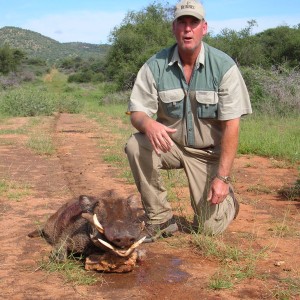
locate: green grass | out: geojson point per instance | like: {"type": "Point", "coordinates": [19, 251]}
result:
{"type": "Point", "coordinates": [72, 271]}
{"type": "Point", "coordinates": [259, 189]}
{"type": "Point", "coordinates": [116, 129]}
{"type": "Point", "coordinates": [14, 191]}
{"type": "Point", "coordinates": [12, 131]}
{"type": "Point", "coordinates": [272, 137]}
{"type": "Point", "coordinates": [287, 289]}
{"type": "Point", "coordinates": [41, 143]}
{"type": "Point", "coordinates": [220, 281]}
{"type": "Point", "coordinates": [291, 192]}
{"type": "Point", "coordinates": [235, 264]}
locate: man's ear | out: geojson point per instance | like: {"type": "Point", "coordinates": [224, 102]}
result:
{"type": "Point", "coordinates": [205, 27]}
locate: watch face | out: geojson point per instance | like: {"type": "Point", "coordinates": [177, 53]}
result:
{"type": "Point", "coordinates": [225, 179]}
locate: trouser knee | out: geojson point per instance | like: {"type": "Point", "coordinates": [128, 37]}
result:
{"type": "Point", "coordinates": [131, 146]}
{"type": "Point", "coordinates": [213, 220]}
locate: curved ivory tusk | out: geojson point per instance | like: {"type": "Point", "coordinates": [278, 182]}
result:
{"type": "Point", "coordinates": [116, 251]}
{"type": "Point", "coordinates": [97, 224]}
{"type": "Point", "coordinates": [107, 245]}
{"type": "Point", "coordinates": [131, 249]}
{"type": "Point", "coordinates": [123, 253]}
{"type": "Point", "coordinates": [136, 244]}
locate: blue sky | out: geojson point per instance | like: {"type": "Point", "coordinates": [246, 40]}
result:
{"type": "Point", "coordinates": [91, 21]}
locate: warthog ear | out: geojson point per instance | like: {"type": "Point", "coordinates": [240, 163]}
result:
{"type": "Point", "coordinates": [135, 204]}
{"type": "Point", "coordinates": [88, 217]}
{"type": "Point", "coordinates": [87, 204]}
{"type": "Point", "coordinates": [134, 201]}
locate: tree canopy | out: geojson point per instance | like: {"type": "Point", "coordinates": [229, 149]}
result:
{"type": "Point", "coordinates": [143, 33]}
{"type": "Point", "coordinates": [10, 59]}
{"type": "Point", "coordinates": [140, 35]}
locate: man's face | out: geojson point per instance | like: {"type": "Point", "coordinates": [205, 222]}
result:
{"type": "Point", "coordinates": [189, 32]}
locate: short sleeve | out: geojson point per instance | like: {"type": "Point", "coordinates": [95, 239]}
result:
{"type": "Point", "coordinates": [233, 95]}
{"type": "Point", "coordinates": [144, 95]}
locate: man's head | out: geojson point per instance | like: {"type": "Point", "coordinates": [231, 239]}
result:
{"type": "Point", "coordinates": [189, 8]}
{"type": "Point", "coordinates": [189, 26]}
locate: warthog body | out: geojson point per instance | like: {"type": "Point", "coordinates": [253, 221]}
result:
{"type": "Point", "coordinates": [89, 225]}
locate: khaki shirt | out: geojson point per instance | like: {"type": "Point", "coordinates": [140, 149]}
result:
{"type": "Point", "coordinates": [216, 93]}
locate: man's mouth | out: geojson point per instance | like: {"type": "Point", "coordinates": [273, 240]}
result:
{"type": "Point", "coordinates": [187, 39]}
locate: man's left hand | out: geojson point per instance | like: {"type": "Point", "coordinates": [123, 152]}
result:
{"type": "Point", "coordinates": [218, 191]}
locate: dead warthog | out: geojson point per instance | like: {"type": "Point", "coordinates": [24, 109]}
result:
{"type": "Point", "coordinates": [90, 225]}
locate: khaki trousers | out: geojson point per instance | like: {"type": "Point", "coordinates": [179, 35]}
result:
{"type": "Point", "coordinates": [200, 167]}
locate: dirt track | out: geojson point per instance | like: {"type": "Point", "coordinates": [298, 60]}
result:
{"type": "Point", "coordinates": [172, 270]}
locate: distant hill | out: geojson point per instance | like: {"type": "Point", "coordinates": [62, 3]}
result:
{"type": "Point", "coordinates": [36, 45]}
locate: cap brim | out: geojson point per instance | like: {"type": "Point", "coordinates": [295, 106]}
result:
{"type": "Point", "coordinates": [187, 13]}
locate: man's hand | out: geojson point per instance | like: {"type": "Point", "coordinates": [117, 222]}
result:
{"type": "Point", "coordinates": [218, 191]}
{"type": "Point", "coordinates": [157, 133]}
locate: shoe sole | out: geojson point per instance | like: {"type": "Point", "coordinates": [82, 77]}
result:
{"type": "Point", "coordinates": [168, 231]}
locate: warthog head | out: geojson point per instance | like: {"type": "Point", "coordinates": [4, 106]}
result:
{"type": "Point", "coordinates": [91, 224]}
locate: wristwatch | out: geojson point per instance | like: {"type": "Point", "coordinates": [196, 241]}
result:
{"type": "Point", "coordinates": [225, 179]}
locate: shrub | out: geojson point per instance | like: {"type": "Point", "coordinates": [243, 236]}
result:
{"type": "Point", "coordinates": [273, 92]}
{"type": "Point", "coordinates": [30, 101]}
{"type": "Point", "coordinates": [27, 102]}
{"type": "Point", "coordinates": [69, 104]}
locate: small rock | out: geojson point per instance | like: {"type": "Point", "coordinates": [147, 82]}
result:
{"type": "Point", "coordinates": [279, 263]}
{"type": "Point", "coordinates": [287, 269]}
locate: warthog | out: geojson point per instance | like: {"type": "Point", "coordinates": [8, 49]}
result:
{"type": "Point", "coordinates": [90, 225]}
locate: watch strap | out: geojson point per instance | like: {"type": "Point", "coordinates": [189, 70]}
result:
{"type": "Point", "coordinates": [225, 179]}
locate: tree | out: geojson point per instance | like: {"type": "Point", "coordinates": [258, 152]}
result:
{"type": "Point", "coordinates": [241, 45]}
{"type": "Point", "coordinates": [281, 45]}
{"type": "Point", "coordinates": [140, 36]}
{"type": "Point", "coordinates": [10, 59]}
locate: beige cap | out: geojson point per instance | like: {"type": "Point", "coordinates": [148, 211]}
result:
{"type": "Point", "coordinates": [189, 8]}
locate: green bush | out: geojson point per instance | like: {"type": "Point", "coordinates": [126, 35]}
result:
{"type": "Point", "coordinates": [69, 104]}
{"type": "Point", "coordinates": [273, 92]}
{"type": "Point", "coordinates": [27, 102]}
{"type": "Point", "coordinates": [33, 101]}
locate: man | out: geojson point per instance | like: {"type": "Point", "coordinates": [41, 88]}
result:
{"type": "Point", "coordinates": [198, 95]}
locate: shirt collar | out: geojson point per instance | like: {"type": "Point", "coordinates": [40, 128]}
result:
{"type": "Point", "coordinates": [176, 58]}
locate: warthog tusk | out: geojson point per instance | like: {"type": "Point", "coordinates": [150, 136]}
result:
{"type": "Point", "coordinates": [136, 244]}
{"type": "Point", "coordinates": [97, 224]}
{"type": "Point", "coordinates": [121, 252]}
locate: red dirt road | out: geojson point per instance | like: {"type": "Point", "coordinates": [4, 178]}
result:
{"type": "Point", "coordinates": [173, 269]}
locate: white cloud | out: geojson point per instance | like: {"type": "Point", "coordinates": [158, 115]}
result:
{"type": "Point", "coordinates": [84, 26]}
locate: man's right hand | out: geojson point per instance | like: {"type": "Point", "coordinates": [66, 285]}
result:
{"type": "Point", "coordinates": [157, 133]}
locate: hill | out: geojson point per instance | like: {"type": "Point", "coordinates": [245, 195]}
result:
{"type": "Point", "coordinates": [36, 45]}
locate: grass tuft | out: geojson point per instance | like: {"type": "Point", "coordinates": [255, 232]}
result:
{"type": "Point", "coordinates": [72, 270]}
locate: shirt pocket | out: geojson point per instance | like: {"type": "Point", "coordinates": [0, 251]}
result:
{"type": "Point", "coordinates": [173, 103]}
{"type": "Point", "coordinates": [207, 104]}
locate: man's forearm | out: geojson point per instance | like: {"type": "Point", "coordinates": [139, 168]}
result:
{"type": "Point", "coordinates": [229, 145]}
{"type": "Point", "coordinates": [139, 120]}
